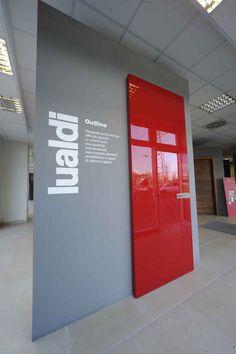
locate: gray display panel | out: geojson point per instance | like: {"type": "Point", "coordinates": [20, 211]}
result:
{"type": "Point", "coordinates": [82, 251]}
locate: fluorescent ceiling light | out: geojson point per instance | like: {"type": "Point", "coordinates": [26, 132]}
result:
{"type": "Point", "coordinates": [217, 103]}
{"type": "Point", "coordinates": [5, 65]}
{"type": "Point", "coordinates": [11, 104]}
{"type": "Point", "coordinates": [209, 5]}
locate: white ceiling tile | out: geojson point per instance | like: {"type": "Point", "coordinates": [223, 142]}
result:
{"type": "Point", "coordinates": [10, 117]}
{"type": "Point", "coordinates": [120, 11]}
{"type": "Point", "coordinates": [65, 6]}
{"type": "Point", "coordinates": [8, 85]}
{"type": "Point", "coordinates": [194, 81]}
{"type": "Point", "coordinates": [222, 138]}
{"type": "Point", "coordinates": [31, 123]}
{"type": "Point", "coordinates": [225, 16]}
{"type": "Point", "coordinates": [225, 128]}
{"type": "Point", "coordinates": [227, 81]}
{"type": "Point", "coordinates": [212, 143]}
{"type": "Point", "coordinates": [227, 111]}
{"type": "Point", "coordinates": [231, 118]}
{"type": "Point", "coordinates": [170, 64]}
{"type": "Point", "coordinates": [202, 122]}
{"type": "Point", "coordinates": [25, 45]}
{"type": "Point", "coordinates": [206, 133]}
{"type": "Point", "coordinates": [29, 99]}
{"type": "Point", "coordinates": [24, 15]}
{"type": "Point", "coordinates": [232, 93]}
{"type": "Point", "coordinates": [197, 39]}
{"type": "Point", "coordinates": [216, 63]}
{"type": "Point", "coordinates": [198, 130]}
{"type": "Point", "coordinates": [28, 79]}
{"type": "Point", "coordinates": [203, 95]}
{"type": "Point", "coordinates": [139, 46]}
{"type": "Point", "coordinates": [159, 21]}
{"type": "Point", "coordinates": [96, 21]}
{"type": "Point", "coordinates": [2, 29]}
{"type": "Point", "coordinates": [18, 137]}
{"type": "Point", "coordinates": [197, 113]}
{"type": "Point", "coordinates": [231, 134]}
{"type": "Point", "coordinates": [225, 137]}
{"type": "Point", "coordinates": [30, 113]}
{"type": "Point", "coordinates": [15, 134]}
{"type": "Point", "coordinates": [13, 127]}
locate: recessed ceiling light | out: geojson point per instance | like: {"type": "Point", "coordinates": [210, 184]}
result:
{"type": "Point", "coordinates": [216, 124]}
{"type": "Point", "coordinates": [217, 103]}
{"type": "Point", "coordinates": [5, 65]}
{"type": "Point", "coordinates": [209, 5]}
{"type": "Point", "coordinates": [11, 104]}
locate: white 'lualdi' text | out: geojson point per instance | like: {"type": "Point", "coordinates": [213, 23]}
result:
{"type": "Point", "coordinates": [67, 153]}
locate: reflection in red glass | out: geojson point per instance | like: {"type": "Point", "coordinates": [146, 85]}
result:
{"type": "Point", "coordinates": [139, 133]}
{"type": "Point", "coordinates": [161, 223]}
{"type": "Point", "coordinates": [132, 89]}
{"type": "Point", "coordinates": [142, 181]}
{"type": "Point", "coordinates": [166, 138]}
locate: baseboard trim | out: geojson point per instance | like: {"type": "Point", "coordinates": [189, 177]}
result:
{"type": "Point", "coordinates": [13, 222]}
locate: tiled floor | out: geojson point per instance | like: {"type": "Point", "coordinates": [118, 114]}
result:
{"type": "Point", "coordinates": [192, 315]}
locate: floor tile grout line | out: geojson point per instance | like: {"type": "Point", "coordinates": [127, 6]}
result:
{"type": "Point", "coordinates": [137, 346]}
{"type": "Point", "coordinates": [139, 309]}
{"type": "Point", "coordinates": [210, 242]}
{"type": "Point", "coordinates": [192, 293]}
{"type": "Point", "coordinates": [68, 340]}
{"type": "Point", "coordinates": [129, 336]}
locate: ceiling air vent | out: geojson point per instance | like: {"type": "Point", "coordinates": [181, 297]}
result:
{"type": "Point", "coordinates": [216, 124]}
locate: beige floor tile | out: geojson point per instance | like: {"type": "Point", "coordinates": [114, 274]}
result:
{"type": "Point", "coordinates": [8, 297]}
{"type": "Point", "coordinates": [162, 299]}
{"type": "Point", "coordinates": [23, 309]}
{"type": "Point", "coordinates": [203, 219]}
{"type": "Point", "coordinates": [229, 278]}
{"type": "Point", "coordinates": [183, 331]}
{"type": "Point", "coordinates": [205, 323]}
{"type": "Point", "coordinates": [206, 236]}
{"type": "Point", "coordinates": [211, 266]}
{"type": "Point", "coordinates": [16, 339]}
{"type": "Point", "coordinates": [128, 347]}
{"type": "Point", "coordinates": [217, 305]}
{"type": "Point", "coordinates": [222, 251]}
{"type": "Point", "coordinates": [106, 328]}
{"type": "Point", "coordinates": [226, 245]}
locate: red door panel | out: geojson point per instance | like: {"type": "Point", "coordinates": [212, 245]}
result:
{"type": "Point", "coordinates": [160, 200]}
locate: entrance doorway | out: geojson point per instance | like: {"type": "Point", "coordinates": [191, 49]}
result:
{"type": "Point", "coordinates": [205, 186]}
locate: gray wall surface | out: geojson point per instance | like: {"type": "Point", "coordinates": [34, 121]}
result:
{"type": "Point", "coordinates": [82, 251]}
{"type": "Point", "coordinates": [217, 154]}
{"type": "Point", "coordinates": [1, 179]}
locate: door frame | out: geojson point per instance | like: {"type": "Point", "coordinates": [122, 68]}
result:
{"type": "Point", "coordinates": [212, 160]}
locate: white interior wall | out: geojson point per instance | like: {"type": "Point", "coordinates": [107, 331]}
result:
{"type": "Point", "coordinates": [14, 181]}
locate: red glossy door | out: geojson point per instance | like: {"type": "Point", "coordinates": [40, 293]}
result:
{"type": "Point", "coordinates": [160, 199]}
